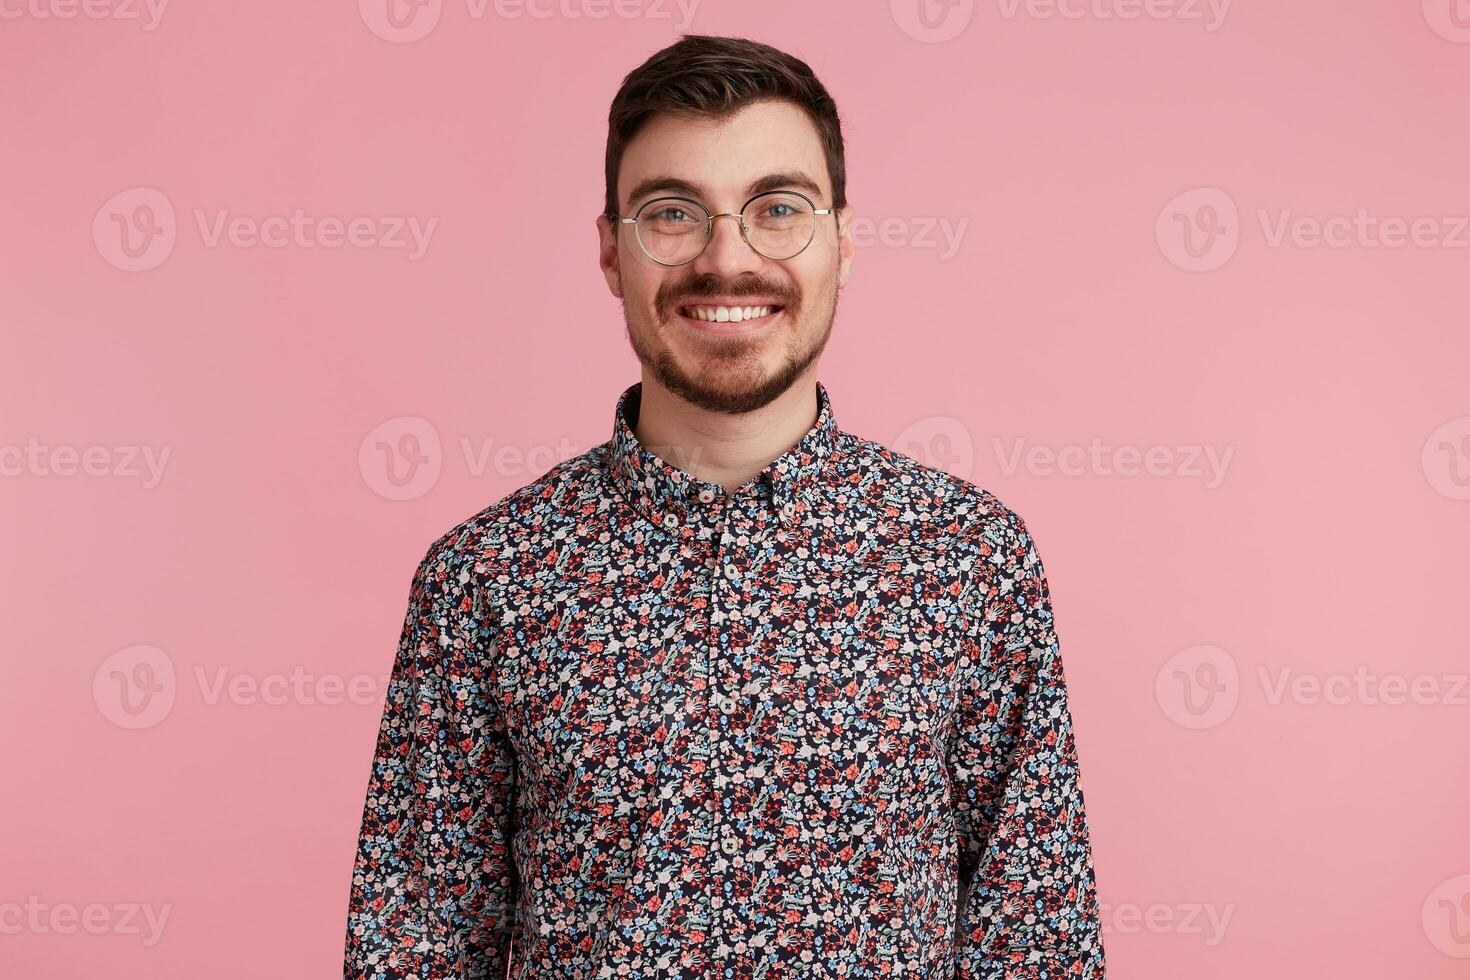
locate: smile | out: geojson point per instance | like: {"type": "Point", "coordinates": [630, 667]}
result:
{"type": "Point", "coordinates": [727, 314]}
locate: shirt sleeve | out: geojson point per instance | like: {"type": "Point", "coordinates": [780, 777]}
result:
{"type": "Point", "coordinates": [1027, 904]}
{"type": "Point", "coordinates": [433, 883]}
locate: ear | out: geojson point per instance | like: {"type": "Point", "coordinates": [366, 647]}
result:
{"type": "Point", "coordinates": [607, 253]}
{"type": "Point", "coordinates": [845, 248]}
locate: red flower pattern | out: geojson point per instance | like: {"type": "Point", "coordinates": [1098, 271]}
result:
{"type": "Point", "coordinates": [643, 727]}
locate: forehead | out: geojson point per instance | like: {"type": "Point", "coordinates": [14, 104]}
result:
{"type": "Point", "coordinates": [725, 156]}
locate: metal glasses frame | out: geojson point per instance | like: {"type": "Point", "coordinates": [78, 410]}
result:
{"type": "Point", "coordinates": [709, 225]}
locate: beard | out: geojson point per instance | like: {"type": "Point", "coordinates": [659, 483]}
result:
{"type": "Point", "coordinates": [732, 378]}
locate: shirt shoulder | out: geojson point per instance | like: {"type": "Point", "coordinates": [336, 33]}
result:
{"type": "Point", "coordinates": [978, 546]}
{"type": "Point", "coordinates": [520, 530]}
{"type": "Point", "coordinates": [948, 509]}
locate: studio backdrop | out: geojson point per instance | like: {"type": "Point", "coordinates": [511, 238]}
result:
{"type": "Point", "coordinates": [289, 289]}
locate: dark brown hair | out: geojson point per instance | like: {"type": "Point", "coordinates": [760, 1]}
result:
{"type": "Point", "coordinates": [716, 77]}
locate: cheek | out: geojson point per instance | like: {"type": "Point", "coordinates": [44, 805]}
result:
{"type": "Point", "coordinates": [641, 285]}
{"type": "Point", "coordinates": [816, 275]}
{"type": "Point", "coordinates": [814, 286]}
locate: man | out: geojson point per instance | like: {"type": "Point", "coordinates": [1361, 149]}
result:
{"type": "Point", "coordinates": [736, 694]}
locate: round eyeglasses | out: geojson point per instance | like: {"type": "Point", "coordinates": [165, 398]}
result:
{"type": "Point", "coordinates": [675, 230]}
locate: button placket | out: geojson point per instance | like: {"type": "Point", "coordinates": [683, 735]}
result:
{"type": "Point", "coordinates": [729, 579]}
{"type": "Point", "coordinates": [725, 842]}
{"type": "Point", "coordinates": [717, 615]}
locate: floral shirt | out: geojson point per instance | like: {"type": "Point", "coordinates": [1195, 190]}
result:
{"type": "Point", "coordinates": [639, 726]}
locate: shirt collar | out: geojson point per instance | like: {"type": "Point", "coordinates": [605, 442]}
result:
{"type": "Point", "coordinates": [670, 496]}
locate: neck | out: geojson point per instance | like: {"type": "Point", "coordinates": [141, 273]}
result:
{"type": "Point", "coordinates": [718, 448]}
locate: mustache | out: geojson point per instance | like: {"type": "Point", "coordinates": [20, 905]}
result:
{"type": "Point", "coordinates": [671, 296]}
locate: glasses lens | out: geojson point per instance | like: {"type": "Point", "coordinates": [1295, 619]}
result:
{"type": "Point", "coordinates": [780, 224]}
{"type": "Point", "coordinates": [672, 231]}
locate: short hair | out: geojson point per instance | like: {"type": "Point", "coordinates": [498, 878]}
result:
{"type": "Point", "coordinates": [716, 77]}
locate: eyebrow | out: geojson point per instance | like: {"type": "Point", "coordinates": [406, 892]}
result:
{"type": "Point", "coordinates": [780, 180]}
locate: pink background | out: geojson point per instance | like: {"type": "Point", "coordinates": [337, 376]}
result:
{"type": "Point", "coordinates": [1240, 830]}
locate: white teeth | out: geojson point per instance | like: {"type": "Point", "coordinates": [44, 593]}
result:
{"type": "Point", "coordinates": [728, 314]}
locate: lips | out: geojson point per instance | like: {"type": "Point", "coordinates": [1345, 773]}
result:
{"type": "Point", "coordinates": [728, 312]}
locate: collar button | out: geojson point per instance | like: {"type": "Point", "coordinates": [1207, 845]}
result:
{"type": "Point", "coordinates": [671, 520]}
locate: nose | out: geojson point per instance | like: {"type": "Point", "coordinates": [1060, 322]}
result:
{"type": "Point", "coordinates": [726, 253]}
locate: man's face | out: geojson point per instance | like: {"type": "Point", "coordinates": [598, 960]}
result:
{"type": "Point", "coordinates": [727, 366]}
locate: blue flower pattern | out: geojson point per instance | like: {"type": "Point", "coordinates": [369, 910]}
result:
{"type": "Point", "coordinates": [640, 726]}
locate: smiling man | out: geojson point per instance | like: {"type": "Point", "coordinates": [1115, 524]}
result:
{"type": "Point", "coordinates": [737, 693]}
{"type": "Point", "coordinates": [728, 260]}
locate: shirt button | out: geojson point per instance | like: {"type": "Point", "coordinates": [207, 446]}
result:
{"type": "Point", "coordinates": [706, 496]}
{"type": "Point", "coordinates": [671, 521]}
{"type": "Point", "coordinates": [788, 509]}
{"type": "Point", "coordinates": [731, 572]}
